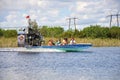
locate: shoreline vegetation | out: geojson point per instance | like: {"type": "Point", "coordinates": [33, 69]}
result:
{"type": "Point", "coordinates": [98, 36]}
{"type": "Point", "coordinates": [96, 42]}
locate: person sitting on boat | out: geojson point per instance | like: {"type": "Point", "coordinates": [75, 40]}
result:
{"type": "Point", "coordinates": [72, 41]}
{"type": "Point", "coordinates": [50, 43]}
{"type": "Point", "coordinates": [58, 42]}
{"type": "Point", "coordinates": [65, 41]}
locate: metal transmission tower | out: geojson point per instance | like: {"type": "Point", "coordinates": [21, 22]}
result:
{"type": "Point", "coordinates": [75, 22]}
{"type": "Point", "coordinates": [110, 19]}
{"type": "Point", "coordinates": [74, 19]}
{"type": "Point", "coordinates": [117, 18]}
{"type": "Point", "coordinates": [69, 22]}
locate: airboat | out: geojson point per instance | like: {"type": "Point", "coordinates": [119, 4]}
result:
{"type": "Point", "coordinates": [30, 40]}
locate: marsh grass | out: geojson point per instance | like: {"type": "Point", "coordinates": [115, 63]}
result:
{"type": "Point", "coordinates": [8, 42]}
{"type": "Point", "coordinates": [12, 42]}
{"type": "Point", "coordinates": [97, 42]}
{"type": "Point", "coordinates": [100, 42]}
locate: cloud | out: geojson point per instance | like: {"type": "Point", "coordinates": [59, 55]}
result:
{"type": "Point", "coordinates": [55, 12]}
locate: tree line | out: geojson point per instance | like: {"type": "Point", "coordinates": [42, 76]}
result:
{"type": "Point", "coordinates": [97, 31]}
{"type": "Point", "coordinates": [92, 31]}
{"type": "Point", "coordinates": [8, 33]}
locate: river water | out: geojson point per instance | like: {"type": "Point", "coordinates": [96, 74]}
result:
{"type": "Point", "coordinates": [95, 63]}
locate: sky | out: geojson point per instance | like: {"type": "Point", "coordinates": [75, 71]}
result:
{"type": "Point", "coordinates": [56, 12]}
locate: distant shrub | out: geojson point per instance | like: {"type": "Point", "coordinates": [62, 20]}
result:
{"type": "Point", "coordinates": [96, 31]}
{"type": "Point", "coordinates": [1, 32]}
{"type": "Point", "coordinates": [114, 32]}
{"type": "Point", "coordinates": [55, 31]}
{"type": "Point", "coordinates": [9, 33]}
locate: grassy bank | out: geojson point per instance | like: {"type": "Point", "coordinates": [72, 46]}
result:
{"type": "Point", "coordinates": [12, 42]}
{"type": "Point", "coordinates": [8, 42]}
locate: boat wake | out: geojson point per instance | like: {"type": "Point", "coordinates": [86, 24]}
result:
{"type": "Point", "coordinates": [22, 49]}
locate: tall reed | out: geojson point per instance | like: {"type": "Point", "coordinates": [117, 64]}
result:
{"type": "Point", "coordinates": [8, 42]}
{"type": "Point", "coordinates": [97, 42]}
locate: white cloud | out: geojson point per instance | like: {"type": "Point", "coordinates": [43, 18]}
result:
{"type": "Point", "coordinates": [102, 20]}
{"type": "Point", "coordinates": [33, 2]}
{"type": "Point", "coordinates": [10, 17]}
{"type": "Point", "coordinates": [85, 17]}
{"type": "Point", "coordinates": [44, 19]}
{"type": "Point", "coordinates": [80, 6]}
{"type": "Point", "coordinates": [55, 12]}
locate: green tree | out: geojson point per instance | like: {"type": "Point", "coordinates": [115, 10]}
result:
{"type": "Point", "coordinates": [92, 31]}
{"type": "Point", "coordinates": [1, 32]}
{"type": "Point", "coordinates": [82, 34]}
{"type": "Point", "coordinates": [35, 25]}
{"type": "Point", "coordinates": [104, 32]}
{"type": "Point", "coordinates": [10, 33]}
{"type": "Point", "coordinates": [68, 34]}
{"type": "Point", "coordinates": [51, 31]}
{"type": "Point", "coordinates": [95, 31]}
{"type": "Point", "coordinates": [115, 32]}
{"type": "Point", "coordinates": [55, 31]}
{"type": "Point", "coordinates": [76, 33]}
{"type": "Point", "coordinates": [44, 31]}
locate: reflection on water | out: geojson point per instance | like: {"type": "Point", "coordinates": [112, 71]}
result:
{"type": "Point", "coordinates": [93, 64]}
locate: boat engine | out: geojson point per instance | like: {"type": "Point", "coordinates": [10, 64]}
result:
{"type": "Point", "coordinates": [33, 38]}
{"type": "Point", "coordinates": [30, 36]}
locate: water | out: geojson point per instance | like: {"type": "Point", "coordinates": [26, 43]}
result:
{"type": "Point", "coordinates": [96, 63]}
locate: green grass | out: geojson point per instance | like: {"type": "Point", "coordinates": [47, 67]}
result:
{"type": "Point", "coordinates": [12, 42]}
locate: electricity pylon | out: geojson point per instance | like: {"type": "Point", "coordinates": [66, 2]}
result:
{"type": "Point", "coordinates": [75, 22]}
{"type": "Point", "coordinates": [74, 19]}
{"type": "Point", "coordinates": [69, 19]}
{"type": "Point", "coordinates": [117, 18]}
